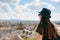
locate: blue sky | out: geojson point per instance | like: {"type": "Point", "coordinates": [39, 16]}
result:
{"type": "Point", "coordinates": [28, 9]}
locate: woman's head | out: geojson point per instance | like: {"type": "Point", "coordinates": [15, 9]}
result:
{"type": "Point", "coordinates": [45, 13]}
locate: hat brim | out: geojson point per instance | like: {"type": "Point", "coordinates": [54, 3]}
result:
{"type": "Point", "coordinates": [39, 13]}
{"type": "Point", "coordinates": [44, 15]}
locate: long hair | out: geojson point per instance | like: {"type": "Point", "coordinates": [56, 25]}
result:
{"type": "Point", "coordinates": [46, 28]}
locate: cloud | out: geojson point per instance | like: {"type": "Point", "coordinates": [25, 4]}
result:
{"type": "Point", "coordinates": [34, 6]}
{"type": "Point", "coordinates": [55, 0]}
{"type": "Point", "coordinates": [11, 2]}
{"type": "Point", "coordinates": [28, 16]}
{"type": "Point", "coordinates": [36, 2]}
{"type": "Point", "coordinates": [47, 5]}
{"type": "Point", "coordinates": [31, 9]}
{"type": "Point", "coordinates": [28, 11]}
{"type": "Point", "coordinates": [55, 16]}
{"type": "Point", "coordinates": [6, 12]}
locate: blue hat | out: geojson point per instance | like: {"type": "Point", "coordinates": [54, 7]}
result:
{"type": "Point", "coordinates": [45, 12]}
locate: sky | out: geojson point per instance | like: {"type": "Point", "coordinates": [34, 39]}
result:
{"type": "Point", "coordinates": [28, 9]}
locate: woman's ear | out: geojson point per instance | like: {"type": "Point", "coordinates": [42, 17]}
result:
{"type": "Point", "coordinates": [40, 17]}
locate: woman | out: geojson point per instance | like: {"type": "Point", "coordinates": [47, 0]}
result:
{"type": "Point", "coordinates": [46, 30]}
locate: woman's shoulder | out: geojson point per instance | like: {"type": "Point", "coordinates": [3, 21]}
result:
{"type": "Point", "coordinates": [55, 25]}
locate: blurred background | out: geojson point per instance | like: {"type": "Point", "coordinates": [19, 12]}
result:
{"type": "Point", "coordinates": [19, 18]}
